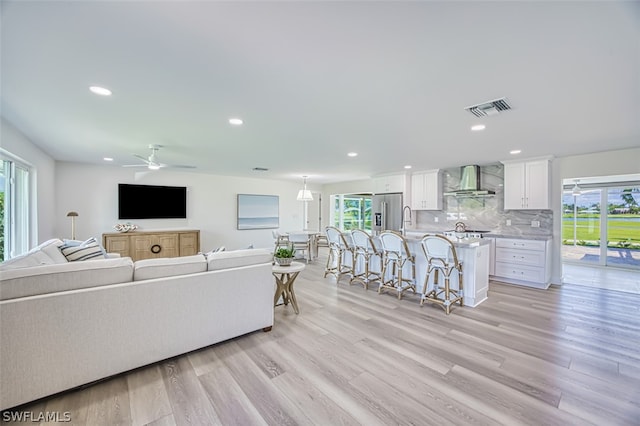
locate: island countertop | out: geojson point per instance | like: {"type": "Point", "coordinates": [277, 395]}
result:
{"type": "Point", "coordinates": [418, 233]}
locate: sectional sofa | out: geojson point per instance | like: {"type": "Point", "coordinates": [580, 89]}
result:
{"type": "Point", "coordinates": [68, 323]}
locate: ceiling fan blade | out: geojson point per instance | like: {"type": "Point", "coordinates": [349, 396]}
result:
{"type": "Point", "coordinates": [178, 166]}
{"type": "Point", "coordinates": [142, 158]}
{"type": "Point", "coordinates": [135, 165]}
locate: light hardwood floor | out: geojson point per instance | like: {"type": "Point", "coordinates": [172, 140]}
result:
{"type": "Point", "coordinates": [563, 356]}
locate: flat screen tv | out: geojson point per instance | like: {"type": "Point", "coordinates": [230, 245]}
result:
{"type": "Point", "coordinates": [151, 202]}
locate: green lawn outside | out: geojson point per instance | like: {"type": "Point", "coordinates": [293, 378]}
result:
{"type": "Point", "coordinates": [624, 231]}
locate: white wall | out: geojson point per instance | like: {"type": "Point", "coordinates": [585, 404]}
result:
{"type": "Point", "coordinates": [42, 171]}
{"type": "Point", "coordinates": [92, 191]}
{"type": "Point", "coordinates": [607, 163]}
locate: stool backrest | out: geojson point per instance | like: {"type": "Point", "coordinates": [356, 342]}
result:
{"type": "Point", "coordinates": [440, 249]}
{"type": "Point", "coordinates": [394, 245]}
{"type": "Point", "coordinates": [301, 237]}
{"type": "Point", "coordinates": [333, 235]}
{"type": "Point", "coordinates": [363, 241]}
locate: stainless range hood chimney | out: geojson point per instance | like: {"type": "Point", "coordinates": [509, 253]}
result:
{"type": "Point", "coordinates": [470, 183]}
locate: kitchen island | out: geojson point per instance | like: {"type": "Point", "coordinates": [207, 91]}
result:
{"type": "Point", "coordinates": [474, 255]}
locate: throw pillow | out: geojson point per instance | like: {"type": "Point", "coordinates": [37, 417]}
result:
{"type": "Point", "coordinates": [87, 250]}
{"type": "Point", "coordinates": [217, 250]}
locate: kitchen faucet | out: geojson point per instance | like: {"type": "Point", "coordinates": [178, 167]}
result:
{"type": "Point", "coordinates": [404, 216]}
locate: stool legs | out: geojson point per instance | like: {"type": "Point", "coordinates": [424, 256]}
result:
{"type": "Point", "coordinates": [450, 296]}
{"type": "Point", "coordinates": [397, 281]}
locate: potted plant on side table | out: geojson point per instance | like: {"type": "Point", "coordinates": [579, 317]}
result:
{"type": "Point", "coordinates": [284, 255]}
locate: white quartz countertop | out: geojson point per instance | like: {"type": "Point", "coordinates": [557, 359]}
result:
{"type": "Point", "coordinates": [458, 243]}
{"type": "Point", "coordinates": [421, 232]}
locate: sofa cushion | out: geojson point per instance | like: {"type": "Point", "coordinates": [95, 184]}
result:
{"type": "Point", "coordinates": [237, 258]}
{"type": "Point", "coordinates": [147, 269]}
{"type": "Point", "coordinates": [86, 250]}
{"type": "Point", "coordinates": [57, 277]}
{"type": "Point", "coordinates": [50, 248]}
{"type": "Point", "coordinates": [37, 258]}
{"type": "Point", "coordinates": [46, 253]}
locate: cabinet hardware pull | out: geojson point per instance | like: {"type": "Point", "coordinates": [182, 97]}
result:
{"type": "Point", "coordinates": [155, 249]}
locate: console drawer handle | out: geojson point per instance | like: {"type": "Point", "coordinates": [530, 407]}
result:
{"type": "Point", "coordinates": [155, 249]}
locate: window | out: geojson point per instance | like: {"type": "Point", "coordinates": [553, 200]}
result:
{"type": "Point", "coordinates": [601, 223]}
{"type": "Point", "coordinates": [14, 209]}
{"type": "Point", "coordinates": [351, 211]}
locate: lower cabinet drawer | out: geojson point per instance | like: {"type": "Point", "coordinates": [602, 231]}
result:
{"type": "Point", "coordinates": [520, 257]}
{"type": "Point", "coordinates": [520, 272]}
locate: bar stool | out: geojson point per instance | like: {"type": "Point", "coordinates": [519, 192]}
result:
{"type": "Point", "coordinates": [339, 249]}
{"type": "Point", "coordinates": [396, 255]}
{"type": "Point", "coordinates": [441, 257]}
{"type": "Point", "coordinates": [364, 252]}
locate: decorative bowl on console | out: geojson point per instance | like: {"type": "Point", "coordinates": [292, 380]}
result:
{"type": "Point", "coordinates": [125, 227]}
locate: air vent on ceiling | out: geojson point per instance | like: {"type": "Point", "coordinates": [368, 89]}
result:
{"type": "Point", "coordinates": [489, 108]}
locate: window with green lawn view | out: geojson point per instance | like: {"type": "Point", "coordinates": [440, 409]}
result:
{"type": "Point", "coordinates": [351, 211]}
{"type": "Point", "coordinates": [601, 224]}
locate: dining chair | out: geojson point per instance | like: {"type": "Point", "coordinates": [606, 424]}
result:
{"type": "Point", "coordinates": [301, 243]}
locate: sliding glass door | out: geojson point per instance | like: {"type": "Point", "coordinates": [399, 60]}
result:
{"type": "Point", "coordinates": [623, 227]}
{"type": "Point", "coordinates": [14, 209]}
{"type": "Point", "coordinates": [601, 225]}
{"type": "Point", "coordinates": [581, 221]}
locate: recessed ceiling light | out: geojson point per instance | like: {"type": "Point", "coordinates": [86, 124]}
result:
{"type": "Point", "coordinates": [100, 91]}
{"type": "Point", "coordinates": [108, 159]}
{"type": "Point", "coordinates": [352, 154]}
{"type": "Point", "coordinates": [515, 151]}
{"type": "Point", "coordinates": [407, 166]}
{"type": "Point", "coordinates": [236, 121]}
{"type": "Point", "coordinates": [478, 127]}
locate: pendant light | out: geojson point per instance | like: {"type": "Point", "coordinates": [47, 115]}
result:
{"type": "Point", "coordinates": [304, 194]}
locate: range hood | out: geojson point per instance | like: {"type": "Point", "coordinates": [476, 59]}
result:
{"type": "Point", "coordinates": [470, 183]}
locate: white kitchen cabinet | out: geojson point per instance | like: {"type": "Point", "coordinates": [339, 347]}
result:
{"type": "Point", "coordinates": [524, 262]}
{"type": "Point", "coordinates": [526, 185]}
{"type": "Point", "coordinates": [389, 183]}
{"type": "Point", "coordinates": [426, 190]}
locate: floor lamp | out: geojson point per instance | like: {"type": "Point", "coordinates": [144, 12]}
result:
{"type": "Point", "coordinates": [73, 216]}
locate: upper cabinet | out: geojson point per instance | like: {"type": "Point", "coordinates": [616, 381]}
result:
{"type": "Point", "coordinates": [426, 190]}
{"type": "Point", "coordinates": [526, 185]}
{"type": "Point", "coordinates": [389, 183]}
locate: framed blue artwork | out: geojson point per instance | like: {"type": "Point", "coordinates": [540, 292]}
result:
{"type": "Point", "coordinates": [258, 211]}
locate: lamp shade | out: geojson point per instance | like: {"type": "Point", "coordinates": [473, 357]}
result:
{"type": "Point", "coordinates": [305, 195]}
{"type": "Point", "coordinates": [72, 214]}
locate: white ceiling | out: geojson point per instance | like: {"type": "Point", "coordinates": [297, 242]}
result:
{"type": "Point", "coordinates": [315, 80]}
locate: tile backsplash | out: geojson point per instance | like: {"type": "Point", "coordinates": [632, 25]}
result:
{"type": "Point", "coordinates": [483, 213]}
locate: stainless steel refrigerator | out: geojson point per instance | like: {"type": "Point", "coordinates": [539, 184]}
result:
{"type": "Point", "coordinates": [387, 212]}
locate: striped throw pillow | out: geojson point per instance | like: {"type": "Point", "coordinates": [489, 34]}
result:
{"type": "Point", "coordinates": [87, 250]}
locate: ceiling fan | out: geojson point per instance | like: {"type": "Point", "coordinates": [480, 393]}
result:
{"type": "Point", "coordinates": [152, 162]}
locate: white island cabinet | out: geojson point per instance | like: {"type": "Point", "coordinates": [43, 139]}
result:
{"type": "Point", "coordinates": [523, 261]}
{"type": "Point", "coordinates": [474, 255]}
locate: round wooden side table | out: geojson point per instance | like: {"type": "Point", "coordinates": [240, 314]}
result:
{"type": "Point", "coordinates": [285, 277]}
